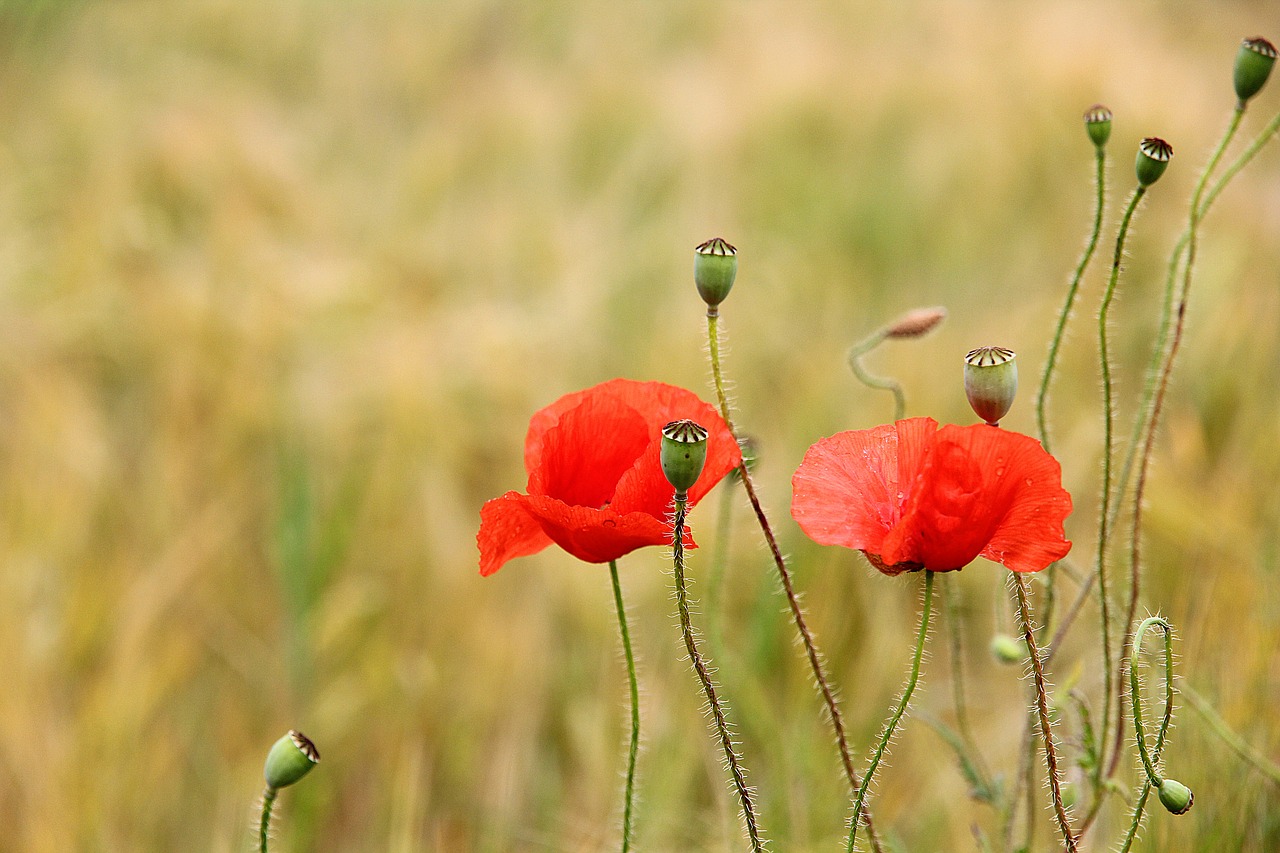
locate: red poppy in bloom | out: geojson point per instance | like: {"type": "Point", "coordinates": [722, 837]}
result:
{"type": "Point", "coordinates": [596, 486]}
{"type": "Point", "coordinates": [912, 496]}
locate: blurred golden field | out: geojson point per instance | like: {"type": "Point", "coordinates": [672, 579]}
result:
{"type": "Point", "coordinates": [281, 284]}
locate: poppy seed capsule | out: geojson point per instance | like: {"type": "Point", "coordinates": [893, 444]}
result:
{"type": "Point", "coordinates": [684, 452]}
{"type": "Point", "coordinates": [1097, 123]}
{"type": "Point", "coordinates": [290, 758]}
{"type": "Point", "coordinates": [1254, 61]}
{"type": "Point", "coordinates": [1176, 797]}
{"type": "Point", "coordinates": [715, 265]}
{"type": "Point", "coordinates": [991, 382]}
{"type": "Point", "coordinates": [1154, 155]}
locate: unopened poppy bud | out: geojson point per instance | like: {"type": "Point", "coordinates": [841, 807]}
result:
{"type": "Point", "coordinates": [715, 265]}
{"type": "Point", "coordinates": [291, 758]}
{"type": "Point", "coordinates": [1176, 797]}
{"type": "Point", "coordinates": [1007, 649]}
{"type": "Point", "coordinates": [1254, 61]}
{"type": "Point", "coordinates": [1154, 155]}
{"type": "Point", "coordinates": [991, 381]}
{"type": "Point", "coordinates": [1097, 123]}
{"type": "Point", "coordinates": [915, 323]}
{"type": "Point", "coordinates": [684, 452]}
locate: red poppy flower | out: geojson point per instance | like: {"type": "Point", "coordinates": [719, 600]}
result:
{"type": "Point", "coordinates": [596, 486]}
{"type": "Point", "coordinates": [912, 496]}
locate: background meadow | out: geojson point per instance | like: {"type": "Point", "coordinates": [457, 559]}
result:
{"type": "Point", "coordinates": [281, 284]}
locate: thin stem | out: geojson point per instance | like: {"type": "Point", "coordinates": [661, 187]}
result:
{"type": "Point", "coordinates": [892, 725]}
{"type": "Point", "coordinates": [1141, 803]}
{"type": "Point", "coordinates": [1042, 709]}
{"type": "Point", "coordinates": [1220, 728]}
{"type": "Point", "coordinates": [1135, 694]}
{"type": "Point", "coordinates": [1150, 414]}
{"type": "Point", "coordinates": [708, 686]}
{"type": "Point", "coordinates": [634, 748]}
{"type": "Point", "coordinates": [784, 576]}
{"type": "Point", "coordinates": [1108, 449]}
{"type": "Point", "coordinates": [882, 383]}
{"type": "Point", "coordinates": [1042, 393]}
{"type": "Point", "coordinates": [268, 801]}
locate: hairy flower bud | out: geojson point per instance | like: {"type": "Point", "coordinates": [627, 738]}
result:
{"type": "Point", "coordinates": [991, 381]}
{"type": "Point", "coordinates": [715, 265]}
{"type": "Point", "coordinates": [291, 758]}
{"type": "Point", "coordinates": [1254, 61]}
{"type": "Point", "coordinates": [1097, 123]}
{"type": "Point", "coordinates": [1154, 155]}
{"type": "Point", "coordinates": [684, 452]}
{"type": "Point", "coordinates": [1175, 796]}
{"type": "Point", "coordinates": [1007, 649]}
{"type": "Point", "coordinates": [915, 323]}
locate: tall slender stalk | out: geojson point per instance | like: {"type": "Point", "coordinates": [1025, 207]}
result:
{"type": "Point", "coordinates": [264, 827]}
{"type": "Point", "coordinates": [1042, 710]}
{"type": "Point", "coordinates": [892, 725]}
{"type": "Point", "coordinates": [1141, 802]}
{"type": "Point", "coordinates": [700, 668]}
{"type": "Point", "coordinates": [784, 576]}
{"type": "Point", "coordinates": [634, 747]}
{"type": "Point", "coordinates": [1108, 450]}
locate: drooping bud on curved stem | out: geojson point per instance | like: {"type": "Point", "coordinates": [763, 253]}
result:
{"type": "Point", "coordinates": [1254, 62]}
{"type": "Point", "coordinates": [1153, 158]}
{"type": "Point", "coordinates": [1175, 796]}
{"type": "Point", "coordinates": [684, 452]}
{"type": "Point", "coordinates": [715, 265]}
{"type": "Point", "coordinates": [917, 322]}
{"type": "Point", "coordinates": [991, 382]}
{"type": "Point", "coordinates": [1097, 123]}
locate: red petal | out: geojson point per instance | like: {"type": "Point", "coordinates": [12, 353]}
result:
{"type": "Point", "coordinates": [850, 488]}
{"type": "Point", "coordinates": [597, 535]}
{"type": "Point", "coordinates": [507, 531]}
{"type": "Point", "coordinates": [985, 490]}
{"type": "Point", "coordinates": [587, 450]}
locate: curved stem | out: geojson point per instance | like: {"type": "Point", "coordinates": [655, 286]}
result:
{"type": "Point", "coordinates": [1042, 709]}
{"type": "Point", "coordinates": [1108, 444]}
{"type": "Point", "coordinates": [1135, 694]}
{"type": "Point", "coordinates": [784, 576]}
{"type": "Point", "coordinates": [882, 383]}
{"type": "Point", "coordinates": [268, 801]}
{"type": "Point", "coordinates": [708, 686]}
{"type": "Point", "coordinates": [892, 726]}
{"type": "Point", "coordinates": [634, 747]}
{"type": "Point", "coordinates": [1140, 804]}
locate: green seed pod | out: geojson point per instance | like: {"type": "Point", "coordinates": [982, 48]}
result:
{"type": "Point", "coordinates": [291, 758]}
{"type": "Point", "coordinates": [715, 265]}
{"type": "Point", "coordinates": [991, 382]}
{"type": "Point", "coordinates": [1154, 155]}
{"type": "Point", "coordinates": [684, 452]}
{"type": "Point", "coordinates": [1176, 797]}
{"type": "Point", "coordinates": [1097, 123]}
{"type": "Point", "coordinates": [1254, 61]}
{"type": "Point", "coordinates": [1007, 649]}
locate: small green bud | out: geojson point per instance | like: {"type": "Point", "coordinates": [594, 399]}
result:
{"type": "Point", "coordinates": [684, 452]}
{"type": "Point", "coordinates": [291, 758]}
{"type": "Point", "coordinates": [991, 382]}
{"type": "Point", "coordinates": [1097, 123]}
{"type": "Point", "coordinates": [1254, 61]}
{"type": "Point", "coordinates": [1154, 155]}
{"type": "Point", "coordinates": [715, 265]}
{"type": "Point", "coordinates": [1176, 797]}
{"type": "Point", "coordinates": [1007, 649]}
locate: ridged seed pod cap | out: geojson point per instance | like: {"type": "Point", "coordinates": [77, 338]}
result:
{"type": "Point", "coordinates": [1254, 61]}
{"type": "Point", "coordinates": [290, 758]}
{"type": "Point", "coordinates": [1176, 797]}
{"type": "Point", "coordinates": [1154, 155]}
{"type": "Point", "coordinates": [715, 265]}
{"type": "Point", "coordinates": [1097, 123]}
{"type": "Point", "coordinates": [684, 452]}
{"type": "Point", "coordinates": [991, 381]}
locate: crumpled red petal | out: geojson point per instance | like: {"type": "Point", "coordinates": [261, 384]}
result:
{"type": "Point", "coordinates": [507, 531]}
